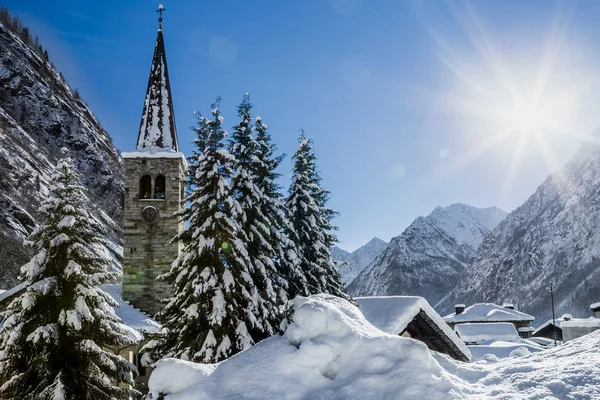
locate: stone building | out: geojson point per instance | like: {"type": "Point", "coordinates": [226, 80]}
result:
{"type": "Point", "coordinates": [154, 191]}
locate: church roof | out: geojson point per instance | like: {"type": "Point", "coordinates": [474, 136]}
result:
{"type": "Point", "coordinates": [157, 128]}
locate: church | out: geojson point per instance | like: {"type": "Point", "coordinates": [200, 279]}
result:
{"type": "Point", "coordinates": [154, 192]}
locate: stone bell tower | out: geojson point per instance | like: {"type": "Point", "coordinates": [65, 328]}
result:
{"type": "Point", "coordinates": [154, 190]}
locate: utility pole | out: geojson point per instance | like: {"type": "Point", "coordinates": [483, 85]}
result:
{"type": "Point", "coordinates": [553, 317]}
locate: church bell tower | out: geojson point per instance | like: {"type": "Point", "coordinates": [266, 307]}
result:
{"type": "Point", "coordinates": [154, 191]}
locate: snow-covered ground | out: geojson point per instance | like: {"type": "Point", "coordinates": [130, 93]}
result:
{"type": "Point", "coordinates": [330, 351]}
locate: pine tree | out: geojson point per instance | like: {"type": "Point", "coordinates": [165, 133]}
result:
{"type": "Point", "coordinates": [252, 185]}
{"type": "Point", "coordinates": [286, 260]}
{"type": "Point", "coordinates": [207, 319]}
{"type": "Point", "coordinates": [55, 331]}
{"type": "Point", "coordinates": [311, 220]}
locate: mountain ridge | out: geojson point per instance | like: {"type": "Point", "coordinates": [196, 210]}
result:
{"type": "Point", "coordinates": [428, 258]}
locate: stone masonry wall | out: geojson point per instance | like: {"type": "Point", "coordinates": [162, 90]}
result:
{"type": "Point", "coordinates": [146, 249]}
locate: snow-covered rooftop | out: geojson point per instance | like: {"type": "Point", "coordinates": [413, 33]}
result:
{"type": "Point", "coordinates": [595, 306]}
{"type": "Point", "coordinates": [582, 323]}
{"type": "Point", "coordinates": [477, 333]}
{"type": "Point", "coordinates": [392, 314]}
{"type": "Point", "coordinates": [153, 152]}
{"type": "Point", "coordinates": [559, 322]}
{"type": "Point", "coordinates": [130, 315]}
{"type": "Point", "coordinates": [488, 312]}
{"type": "Point", "coordinates": [10, 292]}
{"type": "Point", "coordinates": [331, 351]}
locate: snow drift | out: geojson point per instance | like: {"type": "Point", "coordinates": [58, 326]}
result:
{"type": "Point", "coordinates": [330, 351]}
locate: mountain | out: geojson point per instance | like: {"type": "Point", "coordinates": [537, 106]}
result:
{"type": "Point", "coordinates": [429, 257]}
{"type": "Point", "coordinates": [554, 237]}
{"type": "Point", "coordinates": [39, 115]}
{"type": "Point", "coordinates": [356, 261]}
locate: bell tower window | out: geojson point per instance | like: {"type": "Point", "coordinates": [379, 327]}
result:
{"type": "Point", "coordinates": [159, 187]}
{"type": "Point", "coordinates": [146, 187]}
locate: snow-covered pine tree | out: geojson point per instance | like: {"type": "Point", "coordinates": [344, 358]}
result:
{"type": "Point", "coordinates": [52, 344]}
{"type": "Point", "coordinates": [311, 220]}
{"type": "Point", "coordinates": [266, 295]}
{"type": "Point", "coordinates": [287, 260]}
{"type": "Point", "coordinates": [206, 320]}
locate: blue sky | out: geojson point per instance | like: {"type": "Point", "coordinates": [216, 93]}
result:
{"type": "Point", "coordinates": [410, 104]}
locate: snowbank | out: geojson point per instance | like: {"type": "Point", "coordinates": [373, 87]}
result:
{"type": "Point", "coordinates": [501, 349]}
{"type": "Point", "coordinates": [330, 351]}
{"type": "Point", "coordinates": [491, 331]}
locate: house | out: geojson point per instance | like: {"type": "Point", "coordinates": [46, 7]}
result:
{"type": "Point", "coordinates": [578, 327]}
{"type": "Point", "coordinates": [488, 313]}
{"type": "Point", "coordinates": [552, 329]}
{"type": "Point", "coordinates": [413, 317]}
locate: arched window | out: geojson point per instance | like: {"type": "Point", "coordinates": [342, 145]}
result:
{"type": "Point", "coordinates": [146, 187]}
{"type": "Point", "coordinates": [159, 187]}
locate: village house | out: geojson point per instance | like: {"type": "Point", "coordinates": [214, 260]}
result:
{"type": "Point", "coordinates": [482, 313]}
{"type": "Point", "coordinates": [577, 327]}
{"type": "Point", "coordinates": [552, 329]}
{"type": "Point", "coordinates": [413, 317]}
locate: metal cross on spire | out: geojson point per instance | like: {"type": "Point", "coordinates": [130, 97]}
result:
{"type": "Point", "coordinates": [160, 11]}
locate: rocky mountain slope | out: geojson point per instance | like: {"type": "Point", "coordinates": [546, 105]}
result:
{"type": "Point", "coordinates": [553, 237]}
{"type": "Point", "coordinates": [38, 116]}
{"type": "Point", "coordinates": [355, 262]}
{"type": "Point", "coordinates": [429, 257]}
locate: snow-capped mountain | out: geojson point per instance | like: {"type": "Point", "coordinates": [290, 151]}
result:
{"type": "Point", "coordinates": [554, 237]}
{"type": "Point", "coordinates": [428, 258]}
{"type": "Point", "coordinates": [356, 261]}
{"type": "Point", "coordinates": [38, 116]}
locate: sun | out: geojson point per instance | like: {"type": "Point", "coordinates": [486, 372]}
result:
{"type": "Point", "coordinates": [530, 118]}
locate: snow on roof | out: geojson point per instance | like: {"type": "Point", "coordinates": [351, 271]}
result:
{"type": "Point", "coordinates": [595, 306]}
{"type": "Point", "coordinates": [331, 352]}
{"type": "Point", "coordinates": [2, 291]}
{"type": "Point", "coordinates": [487, 312]}
{"type": "Point", "coordinates": [582, 323]}
{"type": "Point", "coordinates": [131, 316]}
{"type": "Point", "coordinates": [12, 291]}
{"type": "Point", "coordinates": [392, 314]}
{"type": "Point", "coordinates": [477, 333]}
{"type": "Point", "coordinates": [559, 322]}
{"type": "Point", "coordinates": [502, 349]}
{"type": "Point", "coordinates": [153, 152]}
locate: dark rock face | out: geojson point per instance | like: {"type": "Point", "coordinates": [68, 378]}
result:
{"type": "Point", "coordinates": [429, 257]}
{"type": "Point", "coordinates": [38, 116]}
{"type": "Point", "coordinates": [552, 238]}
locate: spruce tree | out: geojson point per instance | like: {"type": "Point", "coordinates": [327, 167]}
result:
{"type": "Point", "coordinates": [207, 319]}
{"type": "Point", "coordinates": [266, 297]}
{"type": "Point", "coordinates": [52, 343]}
{"type": "Point", "coordinates": [286, 260]}
{"type": "Point", "coordinates": [311, 221]}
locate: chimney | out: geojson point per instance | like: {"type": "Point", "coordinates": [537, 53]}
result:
{"type": "Point", "coordinates": [510, 306]}
{"type": "Point", "coordinates": [459, 308]}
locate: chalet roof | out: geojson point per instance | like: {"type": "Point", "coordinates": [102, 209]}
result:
{"type": "Point", "coordinates": [550, 322]}
{"type": "Point", "coordinates": [488, 312]}
{"type": "Point", "coordinates": [595, 307]}
{"type": "Point", "coordinates": [394, 315]}
{"type": "Point", "coordinates": [476, 333]}
{"type": "Point", "coordinates": [157, 128]}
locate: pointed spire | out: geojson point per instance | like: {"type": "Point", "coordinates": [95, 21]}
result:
{"type": "Point", "coordinates": [157, 128]}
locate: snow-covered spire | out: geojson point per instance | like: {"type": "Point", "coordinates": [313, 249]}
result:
{"type": "Point", "coordinates": [157, 128]}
